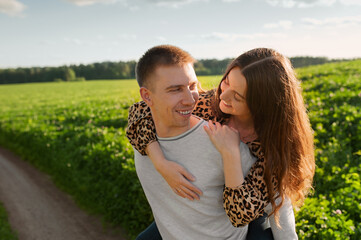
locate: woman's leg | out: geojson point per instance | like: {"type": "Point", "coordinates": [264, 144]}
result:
{"type": "Point", "coordinates": [260, 229]}
{"type": "Point", "coordinates": [151, 233]}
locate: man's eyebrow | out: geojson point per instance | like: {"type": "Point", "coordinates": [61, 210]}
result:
{"type": "Point", "coordinates": [174, 86]}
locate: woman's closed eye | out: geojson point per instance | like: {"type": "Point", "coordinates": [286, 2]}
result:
{"type": "Point", "coordinates": [238, 97]}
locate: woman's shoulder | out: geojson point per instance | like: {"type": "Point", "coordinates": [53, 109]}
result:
{"type": "Point", "coordinates": [206, 97]}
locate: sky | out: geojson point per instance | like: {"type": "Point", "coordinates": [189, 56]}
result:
{"type": "Point", "coordinates": [63, 32]}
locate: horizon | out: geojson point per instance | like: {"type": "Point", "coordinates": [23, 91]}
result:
{"type": "Point", "coordinates": [72, 32]}
{"type": "Point", "coordinates": [100, 62]}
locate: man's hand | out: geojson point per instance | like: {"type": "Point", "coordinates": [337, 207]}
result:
{"type": "Point", "coordinates": [179, 179]}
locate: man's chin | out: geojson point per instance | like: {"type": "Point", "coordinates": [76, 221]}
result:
{"type": "Point", "coordinates": [183, 121]}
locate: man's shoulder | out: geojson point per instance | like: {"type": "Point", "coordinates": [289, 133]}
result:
{"type": "Point", "coordinates": [195, 120]}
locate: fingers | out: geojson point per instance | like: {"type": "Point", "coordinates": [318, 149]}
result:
{"type": "Point", "coordinates": [211, 126]}
{"type": "Point", "coordinates": [188, 193]}
{"type": "Point", "coordinates": [187, 174]}
{"type": "Point", "coordinates": [208, 131]}
{"type": "Point", "coordinates": [234, 130]}
{"type": "Point", "coordinates": [179, 192]}
{"type": "Point", "coordinates": [195, 192]}
{"type": "Point", "coordinates": [185, 193]}
{"type": "Point", "coordinates": [187, 184]}
{"type": "Point", "coordinates": [188, 190]}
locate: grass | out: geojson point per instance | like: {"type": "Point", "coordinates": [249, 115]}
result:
{"type": "Point", "coordinates": [6, 233]}
{"type": "Point", "coordinates": [76, 133]}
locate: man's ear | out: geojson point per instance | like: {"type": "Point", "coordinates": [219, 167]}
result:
{"type": "Point", "coordinates": [146, 95]}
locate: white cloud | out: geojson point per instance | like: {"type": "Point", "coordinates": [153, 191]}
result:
{"type": "Point", "coordinates": [229, 1]}
{"type": "Point", "coordinates": [90, 2]}
{"type": "Point", "coordinates": [11, 7]}
{"type": "Point", "coordinates": [350, 2]}
{"type": "Point", "coordinates": [174, 3]}
{"type": "Point", "coordinates": [161, 38]}
{"type": "Point", "coordinates": [134, 4]}
{"type": "Point", "coordinates": [280, 24]}
{"type": "Point", "coordinates": [300, 3]}
{"type": "Point", "coordinates": [234, 36]}
{"type": "Point", "coordinates": [74, 41]}
{"type": "Point", "coordinates": [333, 22]}
{"type": "Point", "coordinates": [125, 36]}
{"type": "Point", "coordinates": [47, 42]}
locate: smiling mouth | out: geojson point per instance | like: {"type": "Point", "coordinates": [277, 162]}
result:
{"type": "Point", "coordinates": [185, 112]}
{"type": "Point", "coordinates": [225, 103]}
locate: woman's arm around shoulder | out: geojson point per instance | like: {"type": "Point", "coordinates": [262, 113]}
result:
{"type": "Point", "coordinates": [141, 128]}
{"type": "Point", "coordinates": [141, 134]}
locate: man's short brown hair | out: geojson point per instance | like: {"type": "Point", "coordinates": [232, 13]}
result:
{"type": "Point", "coordinates": [162, 55]}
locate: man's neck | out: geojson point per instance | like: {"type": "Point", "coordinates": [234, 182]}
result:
{"type": "Point", "coordinates": [167, 132]}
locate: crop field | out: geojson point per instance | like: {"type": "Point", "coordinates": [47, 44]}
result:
{"type": "Point", "coordinates": [76, 133]}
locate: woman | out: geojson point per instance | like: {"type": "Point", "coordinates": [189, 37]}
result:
{"type": "Point", "coordinates": [259, 100]}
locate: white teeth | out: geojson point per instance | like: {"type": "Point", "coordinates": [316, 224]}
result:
{"type": "Point", "coordinates": [225, 103]}
{"type": "Point", "coordinates": [184, 112]}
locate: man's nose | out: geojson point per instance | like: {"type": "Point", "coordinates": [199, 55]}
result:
{"type": "Point", "coordinates": [188, 98]}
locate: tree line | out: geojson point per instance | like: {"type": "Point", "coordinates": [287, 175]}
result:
{"type": "Point", "coordinates": [120, 70]}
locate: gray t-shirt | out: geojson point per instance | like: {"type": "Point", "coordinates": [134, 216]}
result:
{"type": "Point", "coordinates": [179, 218]}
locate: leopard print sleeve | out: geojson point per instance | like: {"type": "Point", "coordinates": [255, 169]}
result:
{"type": "Point", "coordinates": [203, 108]}
{"type": "Point", "coordinates": [247, 202]}
{"type": "Point", "coordinates": [141, 128]}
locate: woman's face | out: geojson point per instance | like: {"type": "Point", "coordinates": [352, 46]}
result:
{"type": "Point", "coordinates": [233, 96]}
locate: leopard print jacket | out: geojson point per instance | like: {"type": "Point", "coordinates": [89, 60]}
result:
{"type": "Point", "coordinates": [141, 128]}
{"type": "Point", "coordinates": [242, 204]}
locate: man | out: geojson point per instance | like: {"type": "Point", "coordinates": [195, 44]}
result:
{"type": "Point", "coordinates": [168, 85]}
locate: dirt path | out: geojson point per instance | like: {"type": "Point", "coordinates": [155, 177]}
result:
{"type": "Point", "coordinates": [37, 210]}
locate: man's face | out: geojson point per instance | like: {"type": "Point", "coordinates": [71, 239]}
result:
{"type": "Point", "coordinates": [173, 96]}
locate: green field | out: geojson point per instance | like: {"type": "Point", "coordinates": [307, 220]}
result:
{"type": "Point", "coordinates": [76, 133]}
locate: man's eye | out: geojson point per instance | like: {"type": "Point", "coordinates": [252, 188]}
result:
{"type": "Point", "coordinates": [174, 90]}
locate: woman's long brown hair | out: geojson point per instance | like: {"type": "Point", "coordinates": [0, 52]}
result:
{"type": "Point", "coordinates": [280, 120]}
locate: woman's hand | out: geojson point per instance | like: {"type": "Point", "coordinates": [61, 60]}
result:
{"type": "Point", "coordinates": [224, 138]}
{"type": "Point", "coordinates": [177, 177]}
{"type": "Point", "coordinates": [227, 142]}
